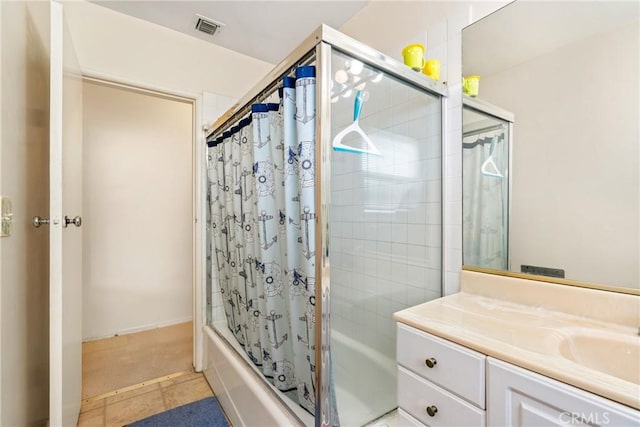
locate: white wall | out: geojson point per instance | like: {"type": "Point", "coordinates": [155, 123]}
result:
{"type": "Point", "coordinates": [24, 170]}
{"type": "Point", "coordinates": [558, 150]}
{"type": "Point", "coordinates": [112, 44]}
{"type": "Point", "coordinates": [138, 210]}
{"type": "Point", "coordinates": [122, 48]}
{"type": "Point", "coordinates": [439, 26]}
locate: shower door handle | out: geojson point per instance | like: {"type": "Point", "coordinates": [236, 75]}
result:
{"type": "Point", "coordinates": [77, 221]}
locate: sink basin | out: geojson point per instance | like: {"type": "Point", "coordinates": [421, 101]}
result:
{"type": "Point", "coordinates": [613, 354]}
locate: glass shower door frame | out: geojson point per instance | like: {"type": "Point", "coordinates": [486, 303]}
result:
{"type": "Point", "coordinates": [320, 45]}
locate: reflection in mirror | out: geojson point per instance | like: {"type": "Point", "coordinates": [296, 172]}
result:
{"type": "Point", "coordinates": [568, 72]}
{"type": "Point", "coordinates": [485, 184]}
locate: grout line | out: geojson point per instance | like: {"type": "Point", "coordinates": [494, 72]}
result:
{"type": "Point", "coordinates": [136, 386]}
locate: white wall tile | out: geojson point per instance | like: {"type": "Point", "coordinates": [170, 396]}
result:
{"type": "Point", "coordinates": [454, 189]}
{"type": "Point", "coordinates": [454, 237]}
{"type": "Point", "coordinates": [416, 234]}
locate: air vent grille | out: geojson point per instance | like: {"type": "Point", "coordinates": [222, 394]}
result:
{"type": "Point", "coordinates": [207, 26]}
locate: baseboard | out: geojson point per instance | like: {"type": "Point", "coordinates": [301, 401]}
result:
{"type": "Point", "coordinates": [142, 328]}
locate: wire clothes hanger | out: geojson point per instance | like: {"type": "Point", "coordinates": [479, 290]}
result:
{"type": "Point", "coordinates": [338, 145]}
{"type": "Point", "coordinates": [489, 167]}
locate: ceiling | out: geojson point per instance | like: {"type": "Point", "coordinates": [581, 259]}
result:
{"type": "Point", "coordinates": [524, 30]}
{"type": "Point", "coordinates": [266, 30]}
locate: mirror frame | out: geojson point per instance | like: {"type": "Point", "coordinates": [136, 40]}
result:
{"type": "Point", "coordinates": [553, 280]}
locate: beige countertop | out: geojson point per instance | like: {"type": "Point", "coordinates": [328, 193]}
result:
{"type": "Point", "coordinates": [489, 320]}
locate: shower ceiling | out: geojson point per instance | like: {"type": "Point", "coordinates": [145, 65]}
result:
{"type": "Point", "coordinates": [266, 30]}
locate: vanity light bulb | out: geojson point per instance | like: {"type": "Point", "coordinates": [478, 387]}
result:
{"type": "Point", "coordinates": [347, 93]}
{"type": "Point", "coordinates": [378, 77]}
{"type": "Point", "coordinates": [355, 67]}
{"type": "Point", "coordinates": [341, 76]}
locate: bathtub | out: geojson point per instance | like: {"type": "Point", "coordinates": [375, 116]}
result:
{"type": "Point", "coordinates": [365, 381]}
{"type": "Point", "coordinates": [249, 399]}
{"type": "Point", "coordinates": [245, 395]}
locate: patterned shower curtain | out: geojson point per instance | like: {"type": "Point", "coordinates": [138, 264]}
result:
{"type": "Point", "coordinates": [262, 207]}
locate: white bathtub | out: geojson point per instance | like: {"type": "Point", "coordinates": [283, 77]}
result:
{"type": "Point", "coordinates": [250, 400]}
{"type": "Point", "coordinates": [244, 394]}
{"type": "Point", "coordinates": [365, 381]}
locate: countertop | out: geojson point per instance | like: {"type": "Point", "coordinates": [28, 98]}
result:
{"type": "Point", "coordinates": [529, 336]}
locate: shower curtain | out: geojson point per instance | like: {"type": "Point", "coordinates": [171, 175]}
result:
{"type": "Point", "coordinates": [485, 203]}
{"type": "Point", "coordinates": [262, 206]}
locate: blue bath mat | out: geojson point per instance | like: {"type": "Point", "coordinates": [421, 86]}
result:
{"type": "Point", "coordinates": [203, 413]}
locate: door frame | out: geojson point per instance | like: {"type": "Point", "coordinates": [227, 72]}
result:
{"type": "Point", "coordinates": [198, 194]}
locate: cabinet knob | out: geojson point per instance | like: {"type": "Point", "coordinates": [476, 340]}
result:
{"type": "Point", "coordinates": [431, 410]}
{"type": "Point", "coordinates": [431, 362]}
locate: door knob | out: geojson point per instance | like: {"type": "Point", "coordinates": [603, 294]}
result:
{"type": "Point", "coordinates": [77, 221]}
{"type": "Point", "coordinates": [37, 221]}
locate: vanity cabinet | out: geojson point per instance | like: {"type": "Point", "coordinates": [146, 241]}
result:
{"type": "Point", "coordinates": [517, 397]}
{"type": "Point", "coordinates": [441, 383]}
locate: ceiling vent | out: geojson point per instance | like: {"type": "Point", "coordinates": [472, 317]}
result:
{"type": "Point", "coordinates": [207, 25]}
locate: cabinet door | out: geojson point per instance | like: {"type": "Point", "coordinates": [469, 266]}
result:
{"type": "Point", "coordinates": [517, 397]}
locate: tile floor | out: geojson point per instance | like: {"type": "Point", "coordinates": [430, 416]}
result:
{"type": "Point", "coordinates": [123, 408]}
{"type": "Point", "coordinates": [131, 377]}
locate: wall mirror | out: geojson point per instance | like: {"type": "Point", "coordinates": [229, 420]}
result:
{"type": "Point", "coordinates": [551, 183]}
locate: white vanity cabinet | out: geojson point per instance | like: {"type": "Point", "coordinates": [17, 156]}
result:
{"type": "Point", "coordinates": [517, 397]}
{"type": "Point", "coordinates": [441, 383]}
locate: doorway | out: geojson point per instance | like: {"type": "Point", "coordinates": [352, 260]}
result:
{"type": "Point", "coordinates": [138, 265]}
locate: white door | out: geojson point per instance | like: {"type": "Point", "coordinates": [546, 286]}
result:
{"type": "Point", "coordinates": [65, 269]}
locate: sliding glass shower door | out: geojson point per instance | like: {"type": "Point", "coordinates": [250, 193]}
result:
{"type": "Point", "coordinates": [385, 227]}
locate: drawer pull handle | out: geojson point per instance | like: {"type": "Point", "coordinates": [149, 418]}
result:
{"type": "Point", "coordinates": [431, 410]}
{"type": "Point", "coordinates": [431, 362]}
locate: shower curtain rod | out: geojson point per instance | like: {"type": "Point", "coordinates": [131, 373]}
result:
{"type": "Point", "coordinates": [480, 141]}
{"type": "Point", "coordinates": [225, 122]}
{"type": "Point", "coordinates": [483, 130]}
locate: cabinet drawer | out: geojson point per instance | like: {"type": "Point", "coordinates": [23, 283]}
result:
{"type": "Point", "coordinates": [416, 394]}
{"type": "Point", "coordinates": [457, 369]}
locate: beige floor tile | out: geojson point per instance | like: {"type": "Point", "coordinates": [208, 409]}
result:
{"type": "Point", "coordinates": [134, 409]}
{"type": "Point", "coordinates": [86, 407]}
{"type": "Point", "coordinates": [181, 379]}
{"type": "Point", "coordinates": [93, 418]}
{"type": "Point", "coordinates": [186, 392]}
{"type": "Point", "coordinates": [131, 393]}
